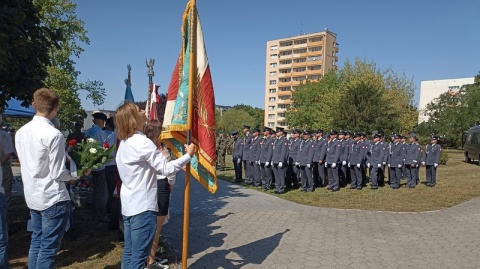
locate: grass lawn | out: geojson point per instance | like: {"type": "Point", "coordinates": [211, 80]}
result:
{"type": "Point", "coordinates": [97, 247]}
{"type": "Point", "coordinates": [457, 182]}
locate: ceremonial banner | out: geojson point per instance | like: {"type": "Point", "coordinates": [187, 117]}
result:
{"type": "Point", "coordinates": [154, 102]}
{"type": "Point", "coordinates": [177, 113]}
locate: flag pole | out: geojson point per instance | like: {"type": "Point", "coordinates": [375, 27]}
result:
{"type": "Point", "coordinates": [191, 83]}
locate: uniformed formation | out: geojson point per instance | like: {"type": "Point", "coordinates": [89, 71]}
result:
{"type": "Point", "coordinates": [310, 160]}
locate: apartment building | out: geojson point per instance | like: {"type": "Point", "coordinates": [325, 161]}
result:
{"type": "Point", "coordinates": [290, 62]}
{"type": "Point", "coordinates": [431, 89]}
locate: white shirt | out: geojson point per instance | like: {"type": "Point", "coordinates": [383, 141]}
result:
{"type": "Point", "coordinates": [41, 152]}
{"type": "Point", "coordinates": [138, 162]}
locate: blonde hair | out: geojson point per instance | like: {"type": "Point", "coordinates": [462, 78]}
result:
{"type": "Point", "coordinates": [45, 100]}
{"type": "Point", "coordinates": [126, 118]}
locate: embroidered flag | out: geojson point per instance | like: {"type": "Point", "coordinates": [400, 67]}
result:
{"type": "Point", "coordinates": [176, 115]}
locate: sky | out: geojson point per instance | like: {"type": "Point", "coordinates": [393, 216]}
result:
{"type": "Point", "coordinates": [425, 40]}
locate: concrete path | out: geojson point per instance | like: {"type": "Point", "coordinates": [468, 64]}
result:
{"type": "Point", "coordinates": [244, 228]}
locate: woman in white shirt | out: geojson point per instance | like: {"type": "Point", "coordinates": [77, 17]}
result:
{"type": "Point", "coordinates": [138, 162]}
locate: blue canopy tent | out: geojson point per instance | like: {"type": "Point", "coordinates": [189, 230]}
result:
{"type": "Point", "coordinates": [15, 110]}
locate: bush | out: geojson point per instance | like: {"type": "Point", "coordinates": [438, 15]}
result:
{"type": "Point", "coordinates": [444, 158]}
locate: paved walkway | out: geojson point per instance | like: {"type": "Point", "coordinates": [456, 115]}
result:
{"type": "Point", "coordinates": [243, 228]}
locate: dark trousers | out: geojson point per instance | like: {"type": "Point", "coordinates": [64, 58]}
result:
{"type": "Point", "coordinates": [246, 167]}
{"type": "Point", "coordinates": [321, 174]}
{"type": "Point", "coordinates": [292, 176]}
{"type": "Point", "coordinates": [279, 173]}
{"type": "Point", "coordinates": [111, 177]}
{"type": "Point", "coordinates": [374, 175]}
{"type": "Point", "coordinates": [411, 174]}
{"type": "Point", "coordinates": [381, 175]}
{"type": "Point", "coordinates": [356, 176]}
{"type": "Point", "coordinates": [395, 177]}
{"type": "Point", "coordinates": [256, 175]}
{"type": "Point", "coordinates": [343, 175]}
{"type": "Point", "coordinates": [238, 170]}
{"type": "Point", "coordinates": [307, 178]}
{"type": "Point", "coordinates": [267, 178]}
{"type": "Point", "coordinates": [333, 178]}
{"type": "Point", "coordinates": [431, 175]}
{"type": "Point", "coordinates": [100, 195]}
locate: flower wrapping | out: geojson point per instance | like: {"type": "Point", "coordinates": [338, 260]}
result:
{"type": "Point", "coordinates": [91, 155]}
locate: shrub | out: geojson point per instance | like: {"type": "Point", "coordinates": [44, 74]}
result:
{"type": "Point", "coordinates": [444, 158]}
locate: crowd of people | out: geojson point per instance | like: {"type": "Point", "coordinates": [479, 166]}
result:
{"type": "Point", "coordinates": [135, 187]}
{"type": "Point", "coordinates": [309, 160]}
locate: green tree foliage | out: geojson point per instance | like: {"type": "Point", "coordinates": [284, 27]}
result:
{"type": "Point", "coordinates": [256, 113]}
{"type": "Point", "coordinates": [62, 75]}
{"type": "Point", "coordinates": [453, 113]}
{"type": "Point", "coordinates": [234, 119]}
{"type": "Point", "coordinates": [24, 47]}
{"type": "Point", "coordinates": [359, 97]}
{"type": "Point", "coordinates": [314, 104]}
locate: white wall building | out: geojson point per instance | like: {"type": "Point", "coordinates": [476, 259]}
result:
{"type": "Point", "coordinates": [431, 89]}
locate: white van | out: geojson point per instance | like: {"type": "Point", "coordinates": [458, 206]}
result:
{"type": "Point", "coordinates": [472, 145]}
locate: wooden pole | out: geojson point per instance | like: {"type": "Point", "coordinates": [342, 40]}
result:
{"type": "Point", "coordinates": [191, 83]}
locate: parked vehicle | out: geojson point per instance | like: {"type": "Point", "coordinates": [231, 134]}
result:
{"type": "Point", "coordinates": [472, 145]}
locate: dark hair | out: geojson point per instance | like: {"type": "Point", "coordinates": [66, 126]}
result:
{"type": "Point", "coordinates": [152, 130]}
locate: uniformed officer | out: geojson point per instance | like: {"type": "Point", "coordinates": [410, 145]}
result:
{"type": "Point", "coordinates": [433, 152]}
{"type": "Point", "coordinates": [403, 141]}
{"type": "Point", "coordinates": [247, 142]}
{"type": "Point", "coordinates": [237, 156]}
{"type": "Point", "coordinates": [292, 169]}
{"type": "Point", "coordinates": [305, 160]}
{"type": "Point", "coordinates": [229, 144]}
{"type": "Point", "coordinates": [221, 151]}
{"type": "Point", "coordinates": [319, 158]}
{"type": "Point", "coordinates": [264, 143]}
{"type": "Point", "coordinates": [279, 156]}
{"type": "Point", "coordinates": [375, 160]}
{"type": "Point", "coordinates": [343, 158]}
{"type": "Point", "coordinates": [255, 159]}
{"type": "Point", "coordinates": [397, 159]}
{"type": "Point", "coordinates": [412, 160]}
{"type": "Point", "coordinates": [355, 161]}
{"type": "Point", "coordinates": [268, 161]}
{"type": "Point", "coordinates": [386, 154]}
{"type": "Point", "coordinates": [332, 160]}
{"type": "Point", "coordinates": [366, 144]}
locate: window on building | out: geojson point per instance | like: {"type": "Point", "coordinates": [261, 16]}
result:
{"type": "Point", "coordinates": [299, 78]}
{"type": "Point", "coordinates": [285, 79]}
{"type": "Point", "coordinates": [299, 60]}
{"type": "Point", "coordinates": [299, 69]}
{"type": "Point", "coordinates": [274, 47]}
{"type": "Point", "coordinates": [299, 51]}
{"type": "Point", "coordinates": [273, 56]}
{"type": "Point", "coordinates": [273, 73]}
{"type": "Point", "coordinates": [284, 97]}
{"type": "Point", "coordinates": [316, 39]}
{"type": "Point", "coordinates": [283, 106]}
{"type": "Point", "coordinates": [273, 82]}
{"type": "Point", "coordinates": [314, 77]}
{"type": "Point", "coordinates": [285, 62]}
{"type": "Point", "coordinates": [286, 44]}
{"type": "Point", "coordinates": [285, 53]}
{"type": "Point", "coordinates": [284, 89]}
{"type": "Point", "coordinates": [285, 71]}
{"type": "Point", "coordinates": [281, 115]}
{"type": "Point", "coordinates": [272, 90]}
{"type": "Point", "coordinates": [271, 124]}
{"type": "Point", "coordinates": [271, 99]}
{"type": "Point", "coordinates": [283, 124]}
{"type": "Point", "coordinates": [314, 67]}
{"type": "Point", "coordinates": [313, 49]}
{"type": "Point", "coordinates": [271, 108]}
{"type": "Point", "coordinates": [300, 41]}
{"type": "Point", "coordinates": [273, 65]}
{"type": "Point", "coordinates": [314, 58]}
{"type": "Point", "coordinates": [271, 116]}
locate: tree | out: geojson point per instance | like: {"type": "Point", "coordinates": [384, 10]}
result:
{"type": "Point", "coordinates": [234, 119]}
{"type": "Point", "coordinates": [256, 113]}
{"type": "Point", "coordinates": [359, 97]}
{"type": "Point", "coordinates": [60, 17]}
{"type": "Point", "coordinates": [24, 50]}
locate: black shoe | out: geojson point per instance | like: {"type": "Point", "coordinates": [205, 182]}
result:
{"type": "Point", "coordinates": [352, 188]}
{"type": "Point", "coordinates": [374, 189]}
{"type": "Point", "coordinates": [302, 190]}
